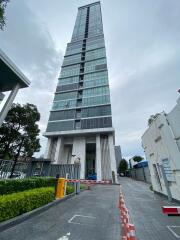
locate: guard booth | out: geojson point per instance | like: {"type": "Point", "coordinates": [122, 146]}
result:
{"type": "Point", "coordinates": [39, 167]}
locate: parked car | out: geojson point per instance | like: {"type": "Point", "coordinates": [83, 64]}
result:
{"type": "Point", "coordinates": [16, 175]}
{"type": "Point", "coordinates": [92, 176]}
{"type": "Point", "coordinates": [121, 174]}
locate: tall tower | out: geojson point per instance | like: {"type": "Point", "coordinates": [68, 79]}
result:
{"type": "Point", "coordinates": [80, 122]}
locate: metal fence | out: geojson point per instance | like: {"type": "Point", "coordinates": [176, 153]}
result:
{"type": "Point", "coordinates": [141, 174]}
{"type": "Point", "coordinates": [63, 169]}
{"type": "Point", "coordinates": [38, 169]}
{"type": "Point", "coordinates": [20, 171]}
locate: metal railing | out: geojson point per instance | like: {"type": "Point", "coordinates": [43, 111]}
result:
{"type": "Point", "coordinates": [20, 171]}
{"type": "Point", "coordinates": [39, 169]}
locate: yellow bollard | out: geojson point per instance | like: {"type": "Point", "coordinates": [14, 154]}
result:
{"type": "Point", "coordinates": [60, 188]}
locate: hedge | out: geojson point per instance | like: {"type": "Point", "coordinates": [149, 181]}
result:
{"type": "Point", "coordinates": [15, 204]}
{"type": "Point", "coordinates": [69, 189]}
{"type": "Point", "coordinates": [18, 185]}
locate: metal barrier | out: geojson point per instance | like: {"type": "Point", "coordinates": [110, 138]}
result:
{"type": "Point", "coordinates": [20, 171]}
{"type": "Point", "coordinates": [38, 169]}
{"type": "Point", "coordinates": [141, 174]}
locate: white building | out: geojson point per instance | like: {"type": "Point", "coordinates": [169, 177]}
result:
{"type": "Point", "coordinates": [161, 143]}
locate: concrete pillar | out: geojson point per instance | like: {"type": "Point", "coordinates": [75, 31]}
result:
{"type": "Point", "coordinates": [8, 103]}
{"type": "Point", "coordinates": [48, 148]}
{"type": "Point", "coordinates": [98, 157]}
{"type": "Point", "coordinates": [58, 152]}
{"type": "Point", "coordinates": [79, 150]}
{"type": "Point", "coordinates": [112, 155]}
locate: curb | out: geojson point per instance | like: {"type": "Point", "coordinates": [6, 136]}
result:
{"type": "Point", "coordinates": [19, 219]}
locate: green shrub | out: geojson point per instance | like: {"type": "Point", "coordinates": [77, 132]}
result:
{"type": "Point", "coordinates": [83, 186]}
{"type": "Point", "coordinates": [18, 185]}
{"type": "Point", "coordinates": [15, 204]}
{"type": "Point", "coordinates": [69, 189]}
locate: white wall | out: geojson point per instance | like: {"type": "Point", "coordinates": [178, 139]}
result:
{"type": "Point", "coordinates": [79, 149]}
{"type": "Point", "coordinates": [160, 141]}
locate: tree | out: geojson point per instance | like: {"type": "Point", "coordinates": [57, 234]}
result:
{"type": "Point", "coordinates": [123, 166]}
{"type": "Point", "coordinates": [19, 132]}
{"type": "Point", "coordinates": [3, 4]}
{"type": "Point", "coordinates": [137, 158]}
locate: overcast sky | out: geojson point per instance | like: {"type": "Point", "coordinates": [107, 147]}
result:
{"type": "Point", "coordinates": [143, 53]}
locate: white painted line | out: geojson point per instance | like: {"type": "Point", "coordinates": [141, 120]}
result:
{"type": "Point", "coordinates": [65, 237]}
{"type": "Point", "coordinates": [171, 230]}
{"type": "Point", "coordinates": [76, 215]}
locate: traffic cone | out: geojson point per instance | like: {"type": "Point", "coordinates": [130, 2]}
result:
{"type": "Point", "coordinates": [132, 232]}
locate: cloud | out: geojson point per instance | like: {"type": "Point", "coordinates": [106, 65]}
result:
{"type": "Point", "coordinates": [27, 41]}
{"type": "Point", "coordinates": [143, 53]}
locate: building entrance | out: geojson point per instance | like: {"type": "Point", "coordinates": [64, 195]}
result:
{"type": "Point", "coordinates": [91, 161]}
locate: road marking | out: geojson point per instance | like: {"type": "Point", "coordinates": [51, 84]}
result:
{"type": "Point", "coordinates": [171, 230]}
{"type": "Point", "coordinates": [65, 237]}
{"type": "Point", "coordinates": [76, 215]}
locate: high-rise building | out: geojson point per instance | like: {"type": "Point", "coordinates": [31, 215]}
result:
{"type": "Point", "coordinates": [80, 122]}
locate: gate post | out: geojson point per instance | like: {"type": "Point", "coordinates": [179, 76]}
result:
{"type": "Point", "coordinates": [77, 168]}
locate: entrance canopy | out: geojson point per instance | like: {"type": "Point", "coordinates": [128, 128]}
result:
{"type": "Point", "coordinates": [10, 75]}
{"type": "Point", "coordinates": [11, 79]}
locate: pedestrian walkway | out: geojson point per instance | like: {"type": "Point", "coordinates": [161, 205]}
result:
{"type": "Point", "coordinates": [145, 212]}
{"type": "Point", "coordinates": [91, 215]}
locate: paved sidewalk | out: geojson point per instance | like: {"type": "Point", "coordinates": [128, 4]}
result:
{"type": "Point", "coordinates": [91, 215]}
{"type": "Point", "coordinates": [145, 212]}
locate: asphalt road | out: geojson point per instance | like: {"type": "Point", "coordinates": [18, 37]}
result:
{"type": "Point", "coordinates": [145, 212]}
{"type": "Point", "coordinates": [91, 215]}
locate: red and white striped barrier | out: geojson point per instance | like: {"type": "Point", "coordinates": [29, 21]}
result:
{"type": "Point", "coordinates": [128, 229]}
{"type": "Point", "coordinates": [171, 210]}
{"type": "Point", "coordinates": [88, 181]}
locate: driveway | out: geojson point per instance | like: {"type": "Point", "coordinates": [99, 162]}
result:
{"type": "Point", "coordinates": [91, 215]}
{"type": "Point", "coordinates": [145, 212]}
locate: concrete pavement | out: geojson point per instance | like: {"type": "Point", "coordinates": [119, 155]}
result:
{"type": "Point", "coordinates": [145, 212]}
{"type": "Point", "coordinates": [91, 215]}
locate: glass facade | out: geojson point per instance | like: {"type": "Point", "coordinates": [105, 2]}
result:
{"type": "Point", "coordinates": [82, 97]}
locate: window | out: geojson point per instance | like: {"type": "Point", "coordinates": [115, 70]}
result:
{"type": "Point", "coordinates": [96, 75]}
{"type": "Point", "coordinates": [60, 126]}
{"type": "Point", "coordinates": [96, 100]}
{"type": "Point", "coordinates": [67, 87]}
{"type": "Point", "coordinates": [63, 96]}
{"type": "Point", "coordinates": [64, 104]}
{"type": "Point", "coordinates": [91, 66]}
{"type": "Point", "coordinates": [61, 115]}
{"type": "Point", "coordinates": [98, 53]}
{"type": "Point", "coordinates": [96, 111]}
{"type": "Point", "coordinates": [72, 59]}
{"type": "Point", "coordinates": [96, 91]}
{"type": "Point", "coordinates": [70, 71]}
{"type": "Point", "coordinates": [77, 124]}
{"type": "Point", "coordinates": [78, 113]}
{"type": "Point", "coordinates": [96, 123]}
{"type": "Point", "coordinates": [95, 83]}
{"type": "Point", "coordinates": [63, 81]}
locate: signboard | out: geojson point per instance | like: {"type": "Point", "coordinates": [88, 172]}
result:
{"type": "Point", "coordinates": [167, 170]}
